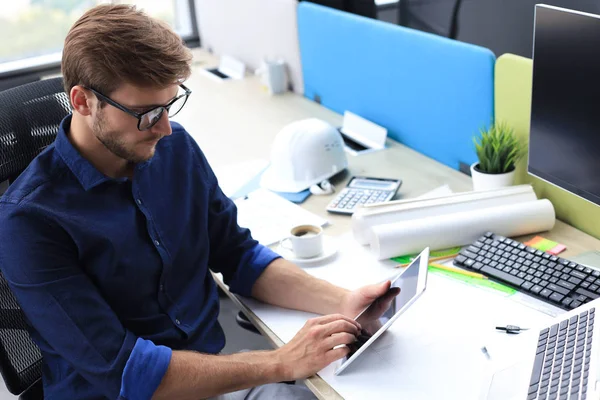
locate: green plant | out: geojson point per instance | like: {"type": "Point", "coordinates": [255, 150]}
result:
{"type": "Point", "coordinates": [498, 149]}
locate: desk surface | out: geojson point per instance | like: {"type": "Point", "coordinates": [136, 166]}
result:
{"type": "Point", "coordinates": [236, 120]}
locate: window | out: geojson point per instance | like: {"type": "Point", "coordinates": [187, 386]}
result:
{"type": "Point", "coordinates": [34, 30]}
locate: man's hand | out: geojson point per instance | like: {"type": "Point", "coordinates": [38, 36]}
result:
{"type": "Point", "coordinates": [312, 349]}
{"type": "Point", "coordinates": [356, 301]}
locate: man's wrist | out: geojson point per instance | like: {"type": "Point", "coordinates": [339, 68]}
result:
{"type": "Point", "coordinates": [278, 366]}
{"type": "Point", "coordinates": [343, 305]}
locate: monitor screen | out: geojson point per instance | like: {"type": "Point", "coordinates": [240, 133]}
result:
{"type": "Point", "coordinates": [564, 144]}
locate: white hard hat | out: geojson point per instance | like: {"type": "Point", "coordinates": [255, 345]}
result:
{"type": "Point", "coordinates": [304, 153]}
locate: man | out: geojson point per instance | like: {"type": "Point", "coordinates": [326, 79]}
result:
{"type": "Point", "coordinates": [107, 238]}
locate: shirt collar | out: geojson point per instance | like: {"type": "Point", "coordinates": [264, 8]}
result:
{"type": "Point", "coordinates": [87, 175]}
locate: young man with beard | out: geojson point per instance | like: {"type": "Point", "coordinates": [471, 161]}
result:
{"type": "Point", "coordinates": [106, 239]}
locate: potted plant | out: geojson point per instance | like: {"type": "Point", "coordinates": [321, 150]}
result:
{"type": "Point", "coordinates": [498, 150]}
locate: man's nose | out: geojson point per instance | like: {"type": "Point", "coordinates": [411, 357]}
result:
{"type": "Point", "coordinates": [163, 126]}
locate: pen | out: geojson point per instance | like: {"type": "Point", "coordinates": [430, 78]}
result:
{"type": "Point", "coordinates": [511, 328]}
{"type": "Point", "coordinates": [458, 271]}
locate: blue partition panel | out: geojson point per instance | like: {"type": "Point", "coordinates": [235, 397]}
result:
{"type": "Point", "coordinates": [431, 93]}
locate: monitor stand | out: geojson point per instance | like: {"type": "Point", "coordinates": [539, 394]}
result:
{"type": "Point", "coordinates": [589, 258]}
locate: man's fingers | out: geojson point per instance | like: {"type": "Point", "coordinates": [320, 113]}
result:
{"type": "Point", "coordinates": [393, 292]}
{"type": "Point", "coordinates": [336, 354]}
{"type": "Point", "coordinates": [326, 319]}
{"type": "Point", "coordinates": [389, 297]}
{"type": "Point", "coordinates": [340, 326]}
{"type": "Point", "coordinates": [375, 291]}
{"type": "Point", "coordinates": [337, 339]}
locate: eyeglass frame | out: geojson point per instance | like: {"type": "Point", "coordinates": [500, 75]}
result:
{"type": "Point", "coordinates": [139, 116]}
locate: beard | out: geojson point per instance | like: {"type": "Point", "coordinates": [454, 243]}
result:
{"type": "Point", "coordinates": [113, 141]}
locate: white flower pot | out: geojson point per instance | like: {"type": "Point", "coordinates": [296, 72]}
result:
{"type": "Point", "coordinates": [483, 181]}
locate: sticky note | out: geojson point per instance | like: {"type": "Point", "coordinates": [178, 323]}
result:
{"type": "Point", "coordinates": [546, 245]}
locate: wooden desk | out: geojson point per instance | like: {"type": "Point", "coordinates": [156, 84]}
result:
{"type": "Point", "coordinates": [236, 121]}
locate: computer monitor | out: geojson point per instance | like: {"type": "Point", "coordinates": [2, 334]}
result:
{"type": "Point", "coordinates": [564, 144]}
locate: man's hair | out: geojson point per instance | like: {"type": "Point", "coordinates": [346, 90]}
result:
{"type": "Point", "coordinates": [115, 44]}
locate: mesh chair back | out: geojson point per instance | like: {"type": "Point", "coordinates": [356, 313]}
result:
{"type": "Point", "coordinates": [20, 358]}
{"type": "Point", "coordinates": [29, 119]}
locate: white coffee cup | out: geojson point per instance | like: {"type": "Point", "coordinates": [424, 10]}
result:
{"type": "Point", "coordinates": [306, 241]}
{"type": "Point", "coordinates": [273, 75]}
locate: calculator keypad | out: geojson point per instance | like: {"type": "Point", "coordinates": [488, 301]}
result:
{"type": "Point", "coordinates": [349, 198]}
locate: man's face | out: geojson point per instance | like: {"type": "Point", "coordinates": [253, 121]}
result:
{"type": "Point", "coordinates": [118, 131]}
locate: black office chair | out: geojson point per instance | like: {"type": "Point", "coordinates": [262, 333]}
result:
{"type": "Point", "coordinates": [29, 120]}
{"type": "Point", "coordinates": [366, 8]}
{"type": "Point", "coordinates": [434, 16]}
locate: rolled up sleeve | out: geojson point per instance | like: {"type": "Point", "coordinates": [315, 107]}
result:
{"type": "Point", "coordinates": [64, 307]}
{"type": "Point", "coordinates": [144, 370]}
{"type": "Point", "coordinates": [250, 268]}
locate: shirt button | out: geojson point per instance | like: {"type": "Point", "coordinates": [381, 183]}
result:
{"type": "Point", "coordinates": [161, 288]}
{"type": "Point", "coordinates": [178, 322]}
{"type": "Point", "coordinates": [157, 243]}
{"type": "Point", "coordinates": [139, 202]}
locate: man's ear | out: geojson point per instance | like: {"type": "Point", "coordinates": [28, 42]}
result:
{"type": "Point", "coordinates": [82, 100]}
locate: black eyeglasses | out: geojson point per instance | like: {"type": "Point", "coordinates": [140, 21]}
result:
{"type": "Point", "coordinates": [149, 118]}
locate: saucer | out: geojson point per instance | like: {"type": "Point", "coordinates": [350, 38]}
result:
{"type": "Point", "coordinates": [330, 248]}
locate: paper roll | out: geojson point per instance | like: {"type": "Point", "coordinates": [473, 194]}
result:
{"type": "Point", "coordinates": [395, 211]}
{"type": "Point", "coordinates": [461, 228]}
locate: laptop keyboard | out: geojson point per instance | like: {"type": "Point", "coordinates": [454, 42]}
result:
{"type": "Point", "coordinates": [562, 360]}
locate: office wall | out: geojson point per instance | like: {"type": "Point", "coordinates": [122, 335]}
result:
{"type": "Point", "coordinates": [513, 83]}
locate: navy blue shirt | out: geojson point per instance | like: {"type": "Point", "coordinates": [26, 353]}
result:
{"type": "Point", "coordinates": [113, 274]}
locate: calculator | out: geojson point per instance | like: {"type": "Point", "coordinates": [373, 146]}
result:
{"type": "Point", "coordinates": [363, 190]}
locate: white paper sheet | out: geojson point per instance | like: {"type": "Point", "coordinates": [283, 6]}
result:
{"type": "Point", "coordinates": [234, 177]}
{"type": "Point", "coordinates": [461, 228]}
{"type": "Point", "coordinates": [433, 351]}
{"type": "Point", "coordinates": [270, 217]}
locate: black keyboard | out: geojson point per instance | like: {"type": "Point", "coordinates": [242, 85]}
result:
{"type": "Point", "coordinates": [555, 280]}
{"type": "Point", "coordinates": [562, 360]}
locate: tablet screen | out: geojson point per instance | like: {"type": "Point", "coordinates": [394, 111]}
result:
{"type": "Point", "coordinates": [374, 317]}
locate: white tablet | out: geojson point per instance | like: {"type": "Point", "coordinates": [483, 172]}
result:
{"type": "Point", "coordinates": [382, 313]}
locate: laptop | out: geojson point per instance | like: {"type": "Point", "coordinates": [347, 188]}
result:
{"type": "Point", "coordinates": [562, 361]}
{"type": "Point", "coordinates": [381, 314]}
